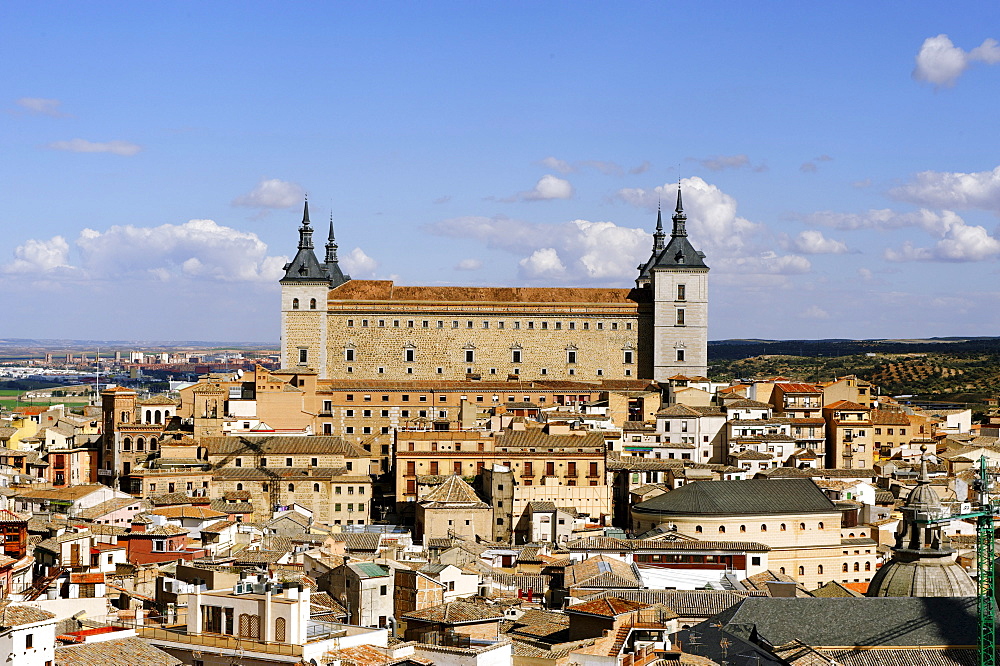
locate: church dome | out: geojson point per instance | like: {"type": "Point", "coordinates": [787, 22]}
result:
{"type": "Point", "coordinates": [921, 577]}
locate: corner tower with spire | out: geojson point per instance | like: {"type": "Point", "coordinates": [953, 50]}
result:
{"type": "Point", "coordinates": [677, 277]}
{"type": "Point", "coordinates": [304, 290]}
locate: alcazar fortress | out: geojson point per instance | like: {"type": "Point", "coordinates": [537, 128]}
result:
{"type": "Point", "coordinates": [374, 329]}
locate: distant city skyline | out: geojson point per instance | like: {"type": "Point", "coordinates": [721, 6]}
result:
{"type": "Point", "coordinates": [838, 163]}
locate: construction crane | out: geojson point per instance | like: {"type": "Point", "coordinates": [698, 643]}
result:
{"type": "Point", "coordinates": [984, 512]}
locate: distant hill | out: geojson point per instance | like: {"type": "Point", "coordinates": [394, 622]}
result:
{"type": "Point", "coordinates": [745, 348]}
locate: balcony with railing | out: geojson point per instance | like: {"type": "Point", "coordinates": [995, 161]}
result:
{"type": "Point", "coordinates": [174, 630]}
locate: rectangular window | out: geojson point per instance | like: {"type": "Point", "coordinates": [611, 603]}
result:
{"type": "Point", "coordinates": [457, 466]}
{"type": "Point", "coordinates": [409, 355]}
{"type": "Point", "coordinates": [470, 356]}
{"type": "Point", "coordinates": [680, 354]}
{"type": "Point", "coordinates": [303, 356]}
{"type": "Point", "coordinates": [411, 468]}
{"type": "Point", "coordinates": [570, 356]}
{"type": "Point", "coordinates": [288, 462]}
{"type": "Point", "coordinates": [348, 354]}
{"type": "Point", "coordinates": [628, 357]}
{"type": "Point", "coordinates": [680, 317]}
{"type": "Point", "coordinates": [681, 292]}
{"type": "Point", "coordinates": [515, 356]}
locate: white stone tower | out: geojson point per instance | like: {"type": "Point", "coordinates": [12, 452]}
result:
{"type": "Point", "coordinates": [677, 276]}
{"type": "Point", "coordinates": [304, 290]}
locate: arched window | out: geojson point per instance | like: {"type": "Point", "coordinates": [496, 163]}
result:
{"type": "Point", "coordinates": [743, 528]}
{"type": "Point", "coordinates": [857, 566]}
{"type": "Point", "coordinates": [851, 535]}
{"type": "Point", "coordinates": [868, 566]}
{"type": "Point", "coordinates": [802, 526]}
{"type": "Point", "coordinates": [819, 526]}
{"type": "Point", "coordinates": [239, 486]}
{"type": "Point", "coordinates": [781, 570]}
{"type": "Point", "coordinates": [722, 529]}
{"type": "Point", "coordinates": [152, 443]}
{"type": "Point", "coordinates": [845, 567]}
{"type": "Point", "coordinates": [291, 487]}
{"type": "Point", "coordinates": [124, 418]}
{"type": "Point", "coordinates": [149, 416]}
{"type": "Point", "coordinates": [782, 528]}
{"type": "Point", "coordinates": [127, 444]}
{"type": "Point", "coordinates": [697, 528]}
{"type": "Point", "coordinates": [295, 304]}
{"type": "Point", "coordinates": [279, 624]}
{"type": "Point", "coordinates": [763, 528]}
{"type": "Point", "coordinates": [315, 487]}
{"type": "Point", "coordinates": [140, 444]}
{"type": "Point", "coordinates": [157, 416]}
{"type": "Point", "coordinates": [263, 487]}
{"type": "Point", "coordinates": [819, 569]}
{"type": "Point", "coordinates": [312, 303]}
{"type": "Point", "coordinates": [802, 571]}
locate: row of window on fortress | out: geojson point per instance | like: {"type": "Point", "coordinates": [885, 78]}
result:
{"type": "Point", "coordinates": [469, 355]}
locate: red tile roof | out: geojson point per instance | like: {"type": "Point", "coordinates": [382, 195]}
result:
{"type": "Point", "coordinates": [607, 607]}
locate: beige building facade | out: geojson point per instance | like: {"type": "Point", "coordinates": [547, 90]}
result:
{"type": "Point", "coordinates": [375, 329]}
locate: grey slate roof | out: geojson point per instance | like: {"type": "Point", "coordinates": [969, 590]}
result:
{"type": "Point", "coordinates": [740, 498]}
{"type": "Point", "coordinates": [879, 621]}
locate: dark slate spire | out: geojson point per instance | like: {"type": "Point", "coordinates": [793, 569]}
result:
{"type": "Point", "coordinates": [680, 218]}
{"type": "Point", "coordinates": [305, 267]}
{"type": "Point", "coordinates": [305, 231]}
{"type": "Point", "coordinates": [677, 252]}
{"type": "Point", "coordinates": [331, 245]}
{"type": "Point", "coordinates": [331, 265]}
{"type": "Point", "coordinates": [659, 237]}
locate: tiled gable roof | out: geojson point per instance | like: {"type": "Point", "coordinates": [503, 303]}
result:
{"type": "Point", "coordinates": [607, 607]}
{"type": "Point", "coordinates": [15, 616]}
{"type": "Point", "coordinates": [456, 612]}
{"type": "Point", "coordinates": [327, 444]}
{"type": "Point", "coordinates": [736, 498]}
{"type": "Point", "coordinates": [132, 651]}
{"type": "Point", "coordinates": [453, 492]}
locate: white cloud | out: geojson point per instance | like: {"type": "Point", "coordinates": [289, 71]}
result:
{"type": "Point", "coordinates": [581, 251]}
{"type": "Point", "coordinates": [359, 264]}
{"type": "Point", "coordinates": [557, 164]}
{"type": "Point", "coordinates": [271, 193]}
{"type": "Point", "coordinates": [39, 256]}
{"type": "Point", "coordinates": [815, 312]}
{"type": "Point", "coordinates": [808, 167]}
{"type": "Point", "coordinates": [585, 250]}
{"type": "Point", "coordinates": [813, 241]}
{"type": "Point", "coordinates": [940, 62]}
{"type": "Point", "coordinates": [942, 189]}
{"type": "Point", "coordinates": [542, 264]}
{"type": "Point", "coordinates": [640, 168]}
{"type": "Point", "coordinates": [548, 187]}
{"type": "Point", "coordinates": [712, 218]}
{"type": "Point", "coordinates": [961, 243]}
{"type": "Point", "coordinates": [196, 249]}
{"type": "Point", "coordinates": [468, 265]}
{"type": "Point", "coordinates": [123, 148]}
{"type": "Point", "coordinates": [41, 106]}
{"type": "Point", "coordinates": [885, 218]}
{"type": "Point", "coordinates": [865, 274]}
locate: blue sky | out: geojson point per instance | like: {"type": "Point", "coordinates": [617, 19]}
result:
{"type": "Point", "coordinates": [839, 162]}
